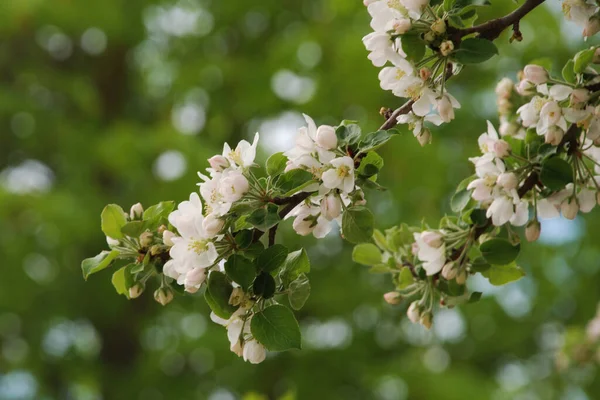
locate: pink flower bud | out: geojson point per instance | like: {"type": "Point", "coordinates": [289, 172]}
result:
{"type": "Point", "coordinates": [501, 148]}
{"type": "Point", "coordinates": [136, 290]}
{"type": "Point", "coordinates": [218, 163]}
{"type": "Point", "coordinates": [136, 211]}
{"type": "Point", "coordinates": [432, 239]}
{"type": "Point", "coordinates": [167, 238]}
{"type": "Point", "coordinates": [532, 230]}
{"type": "Point", "coordinates": [326, 137]}
{"type": "Point", "coordinates": [449, 271]}
{"type": "Point", "coordinates": [426, 320]}
{"type": "Point", "coordinates": [569, 208]}
{"type": "Point", "coordinates": [554, 135]}
{"type": "Point", "coordinates": [331, 207]}
{"type": "Point", "coordinates": [392, 298]}
{"type": "Point", "coordinates": [592, 27]}
{"type": "Point", "coordinates": [446, 48]}
{"type": "Point", "coordinates": [401, 26]}
{"type": "Point", "coordinates": [163, 295]}
{"type": "Point", "coordinates": [424, 137]}
{"type": "Point", "coordinates": [535, 74]}
{"type": "Point", "coordinates": [413, 312]}
{"type": "Point", "coordinates": [580, 95]}
{"type": "Point", "coordinates": [212, 225]}
{"type": "Point", "coordinates": [445, 109]}
{"type": "Point", "coordinates": [254, 352]}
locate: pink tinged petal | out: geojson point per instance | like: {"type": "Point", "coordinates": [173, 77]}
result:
{"type": "Point", "coordinates": [587, 200]}
{"type": "Point", "coordinates": [521, 214]}
{"type": "Point", "coordinates": [422, 106]}
{"type": "Point", "coordinates": [560, 92]}
{"type": "Point", "coordinates": [546, 210]}
{"type": "Point", "coordinates": [322, 228]}
{"type": "Point", "coordinates": [312, 127]}
{"type": "Point", "coordinates": [435, 266]}
{"type": "Point", "coordinates": [218, 320]}
{"type": "Point", "coordinates": [492, 131]}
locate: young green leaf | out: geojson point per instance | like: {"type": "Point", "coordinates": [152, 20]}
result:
{"type": "Point", "coordinates": [475, 51]}
{"type": "Point", "coordinates": [160, 210]}
{"type": "Point", "coordinates": [347, 133]}
{"type": "Point", "coordinates": [583, 59]}
{"type": "Point", "coordinates": [405, 278]}
{"type": "Point", "coordinates": [272, 258]}
{"type": "Point", "coordinates": [296, 263]}
{"type": "Point", "coordinates": [503, 274]}
{"type": "Point", "coordinates": [413, 46]}
{"type": "Point", "coordinates": [265, 217]}
{"type": "Point", "coordinates": [112, 220]}
{"type": "Point", "coordinates": [459, 200]}
{"type": "Point", "coordinates": [241, 270]}
{"type": "Point", "coordinates": [276, 328]}
{"type": "Point", "coordinates": [556, 173]}
{"type": "Point", "coordinates": [103, 260]}
{"type": "Point", "coordinates": [293, 180]}
{"type": "Point", "coordinates": [299, 290]}
{"type": "Point", "coordinates": [217, 294]}
{"type": "Point", "coordinates": [366, 254]}
{"type": "Point", "coordinates": [499, 251]}
{"type": "Point", "coordinates": [568, 72]}
{"type": "Point", "coordinates": [264, 285]}
{"type": "Point", "coordinates": [276, 164]}
{"type": "Point", "coordinates": [122, 280]}
{"type": "Point", "coordinates": [357, 224]}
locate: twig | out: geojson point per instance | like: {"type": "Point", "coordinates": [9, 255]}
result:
{"type": "Point", "coordinates": [291, 202]}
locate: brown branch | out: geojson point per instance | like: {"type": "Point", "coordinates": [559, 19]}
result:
{"type": "Point", "coordinates": [290, 202]}
{"type": "Point", "coordinates": [490, 30]}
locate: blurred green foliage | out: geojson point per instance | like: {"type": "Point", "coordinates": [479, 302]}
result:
{"type": "Point", "coordinates": [123, 101]}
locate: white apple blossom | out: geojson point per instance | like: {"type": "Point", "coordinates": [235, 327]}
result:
{"type": "Point", "coordinates": [308, 219]}
{"type": "Point", "coordinates": [244, 153]}
{"type": "Point", "coordinates": [233, 186]}
{"type": "Point", "coordinates": [431, 250]}
{"type": "Point", "coordinates": [341, 176]}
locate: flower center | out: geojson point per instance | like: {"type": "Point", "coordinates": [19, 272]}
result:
{"type": "Point", "coordinates": [343, 171]}
{"type": "Point", "coordinates": [198, 246]}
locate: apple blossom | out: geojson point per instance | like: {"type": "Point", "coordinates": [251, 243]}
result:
{"type": "Point", "coordinates": [535, 74]}
{"type": "Point", "coordinates": [341, 176]}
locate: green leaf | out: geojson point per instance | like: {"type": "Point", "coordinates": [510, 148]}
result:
{"type": "Point", "coordinates": [293, 180]}
{"type": "Point", "coordinates": [272, 258]}
{"type": "Point", "coordinates": [103, 260]}
{"type": "Point", "coordinates": [413, 46]}
{"type": "Point", "coordinates": [374, 140]}
{"type": "Point", "coordinates": [502, 274]}
{"type": "Point", "coordinates": [112, 220]}
{"type": "Point", "coordinates": [122, 280]}
{"type": "Point", "coordinates": [556, 173]}
{"type": "Point", "coordinates": [217, 294]}
{"type": "Point", "coordinates": [160, 210]}
{"type": "Point", "coordinates": [448, 5]}
{"type": "Point", "coordinates": [241, 270]}
{"type": "Point", "coordinates": [296, 263]}
{"type": "Point", "coordinates": [405, 278]}
{"type": "Point", "coordinates": [499, 251]}
{"type": "Point", "coordinates": [459, 200]}
{"type": "Point", "coordinates": [264, 285]}
{"type": "Point", "coordinates": [480, 265]}
{"type": "Point", "coordinates": [475, 51]}
{"type": "Point", "coordinates": [347, 133]}
{"type": "Point", "coordinates": [299, 291]}
{"type": "Point", "coordinates": [243, 238]}
{"type": "Point", "coordinates": [276, 164]}
{"type": "Point", "coordinates": [133, 228]}
{"type": "Point", "coordinates": [265, 217]}
{"type": "Point", "coordinates": [357, 224]}
{"type": "Point", "coordinates": [276, 328]}
{"type": "Point", "coordinates": [366, 254]}
{"type": "Point", "coordinates": [583, 59]}
{"type": "Point", "coordinates": [370, 164]}
{"type": "Point", "coordinates": [568, 72]}
{"type": "Point", "coordinates": [474, 297]}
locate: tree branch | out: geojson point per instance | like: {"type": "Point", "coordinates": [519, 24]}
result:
{"type": "Point", "coordinates": [490, 30]}
{"type": "Point", "coordinates": [290, 202]}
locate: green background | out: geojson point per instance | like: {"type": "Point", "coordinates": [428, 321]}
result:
{"type": "Point", "coordinates": [96, 98]}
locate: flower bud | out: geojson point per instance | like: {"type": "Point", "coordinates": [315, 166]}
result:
{"type": "Point", "coordinates": [392, 298]}
{"type": "Point", "coordinates": [426, 319]}
{"type": "Point", "coordinates": [167, 238]}
{"type": "Point", "coordinates": [569, 208]}
{"type": "Point", "coordinates": [304, 224]}
{"type": "Point", "coordinates": [461, 277]}
{"type": "Point", "coordinates": [326, 137]}
{"type": "Point", "coordinates": [111, 241]}
{"type": "Point", "coordinates": [161, 229]}
{"type": "Point", "coordinates": [432, 239]}
{"type": "Point", "coordinates": [146, 239]}
{"type": "Point", "coordinates": [429, 37]}
{"type": "Point", "coordinates": [439, 27]}
{"type": "Point", "coordinates": [592, 27]}
{"type": "Point", "coordinates": [532, 230]}
{"type": "Point", "coordinates": [212, 224]}
{"type": "Point", "coordinates": [424, 137]}
{"type": "Point", "coordinates": [254, 352]}
{"type": "Point", "coordinates": [163, 295]}
{"type": "Point", "coordinates": [156, 249]}
{"type": "Point", "coordinates": [445, 109]}
{"type": "Point", "coordinates": [414, 312]}
{"type": "Point", "coordinates": [554, 135]}
{"type": "Point", "coordinates": [136, 290]}
{"type": "Point", "coordinates": [507, 180]}
{"type": "Point", "coordinates": [535, 74]}
{"type": "Point", "coordinates": [525, 87]}
{"type": "Point", "coordinates": [401, 26]}
{"type": "Point", "coordinates": [218, 163]}
{"type": "Point", "coordinates": [233, 186]}
{"type": "Point", "coordinates": [501, 148]}
{"type": "Point", "coordinates": [331, 207]}
{"type": "Point", "coordinates": [580, 95]}
{"type": "Point", "coordinates": [449, 271]}
{"type": "Point", "coordinates": [504, 88]}
{"type": "Point", "coordinates": [446, 48]}
{"type": "Point", "coordinates": [597, 56]}
{"type": "Point", "coordinates": [136, 211]}
{"type": "Point", "coordinates": [194, 279]}
{"type": "Point", "coordinates": [424, 73]}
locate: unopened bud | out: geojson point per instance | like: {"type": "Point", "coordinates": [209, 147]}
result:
{"type": "Point", "coordinates": [535, 74]}
{"type": "Point", "coordinates": [414, 312]}
{"type": "Point", "coordinates": [401, 26]}
{"type": "Point", "coordinates": [580, 95]}
{"type": "Point", "coordinates": [426, 320]}
{"type": "Point", "coordinates": [136, 211]}
{"type": "Point", "coordinates": [156, 249]}
{"type": "Point", "coordinates": [136, 290]}
{"type": "Point", "coordinates": [218, 163]}
{"type": "Point", "coordinates": [392, 298]}
{"type": "Point", "coordinates": [532, 230]}
{"type": "Point", "coordinates": [146, 239]}
{"type": "Point", "coordinates": [161, 229]}
{"type": "Point", "coordinates": [439, 27]}
{"type": "Point", "coordinates": [569, 208]}
{"type": "Point", "coordinates": [446, 48]}
{"type": "Point", "coordinates": [424, 73]}
{"type": "Point", "coordinates": [326, 137]}
{"type": "Point", "coordinates": [592, 27]}
{"type": "Point", "coordinates": [432, 239]}
{"type": "Point", "coordinates": [163, 295]}
{"type": "Point", "coordinates": [449, 271]}
{"type": "Point", "coordinates": [461, 277]}
{"type": "Point", "coordinates": [554, 135]}
{"type": "Point", "coordinates": [167, 238]}
{"type": "Point", "coordinates": [424, 137]}
{"type": "Point", "coordinates": [429, 37]}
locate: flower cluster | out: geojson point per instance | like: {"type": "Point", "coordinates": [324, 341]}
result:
{"type": "Point", "coordinates": [584, 13]}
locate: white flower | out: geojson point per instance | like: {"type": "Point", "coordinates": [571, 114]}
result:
{"type": "Point", "coordinates": [383, 49]}
{"type": "Point", "coordinates": [535, 74]}
{"type": "Point", "coordinates": [341, 176]}
{"type": "Point", "coordinates": [445, 107]}
{"type": "Point", "coordinates": [387, 16]}
{"type": "Point", "coordinates": [308, 220]}
{"type": "Point", "coordinates": [331, 207]}
{"type": "Point", "coordinates": [504, 88]}
{"type": "Point", "coordinates": [587, 200]}
{"type": "Point", "coordinates": [546, 210]}
{"type": "Point", "coordinates": [429, 99]}
{"type": "Point", "coordinates": [254, 352]}
{"type": "Point", "coordinates": [490, 142]}
{"type": "Point", "coordinates": [212, 224]}
{"type": "Point", "coordinates": [508, 209]}
{"type": "Point", "coordinates": [326, 137]}
{"type": "Point", "coordinates": [508, 181]}
{"type": "Point", "coordinates": [233, 186]}
{"type": "Point", "coordinates": [578, 11]}
{"type": "Point", "coordinates": [219, 163]}
{"type": "Point", "coordinates": [592, 26]}
{"type": "Point", "coordinates": [414, 7]}
{"type": "Point", "coordinates": [244, 153]}
{"type": "Point", "coordinates": [212, 195]}
{"type": "Point", "coordinates": [307, 151]}
{"type": "Point", "coordinates": [136, 211]}
{"type": "Point", "coordinates": [431, 250]}
{"type": "Point", "coordinates": [446, 47]}
{"type": "Point", "coordinates": [234, 325]}
{"type": "Point", "coordinates": [168, 237]}
{"type": "Point", "coordinates": [401, 81]}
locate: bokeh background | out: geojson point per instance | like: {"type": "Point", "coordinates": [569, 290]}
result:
{"type": "Point", "coordinates": [123, 101]}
